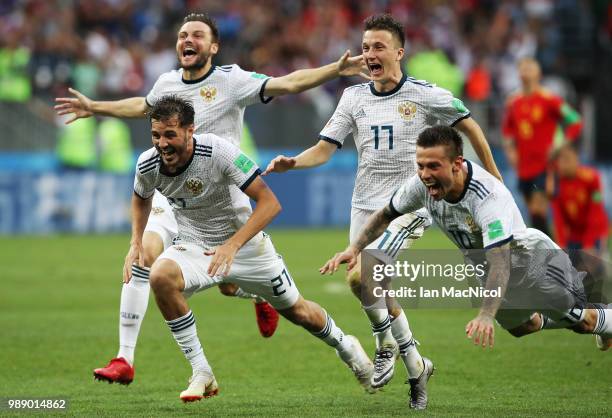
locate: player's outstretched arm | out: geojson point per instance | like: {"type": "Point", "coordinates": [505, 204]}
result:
{"type": "Point", "coordinates": [300, 80]}
{"type": "Point", "coordinates": [472, 130]}
{"type": "Point", "coordinates": [266, 209]}
{"type": "Point", "coordinates": [374, 227]}
{"type": "Point", "coordinates": [481, 328]}
{"type": "Point", "coordinates": [312, 157]}
{"type": "Point", "coordinates": [81, 106]}
{"type": "Point", "coordinates": [140, 215]}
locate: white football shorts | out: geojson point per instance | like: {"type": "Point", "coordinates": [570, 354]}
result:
{"type": "Point", "coordinates": [257, 269]}
{"type": "Point", "coordinates": [161, 220]}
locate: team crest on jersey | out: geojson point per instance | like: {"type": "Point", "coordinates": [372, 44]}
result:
{"type": "Point", "coordinates": [471, 224]}
{"type": "Point", "coordinates": [407, 110]}
{"type": "Point", "coordinates": [208, 93]}
{"type": "Point", "coordinates": [156, 210]}
{"type": "Point", "coordinates": [195, 186]}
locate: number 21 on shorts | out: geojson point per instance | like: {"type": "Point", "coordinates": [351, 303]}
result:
{"type": "Point", "coordinates": [280, 283]}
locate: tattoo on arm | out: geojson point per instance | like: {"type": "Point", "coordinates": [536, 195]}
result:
{"type": "Point", "coordinates": [375, 226]}
{"type": "Point", "coordinates": [499, 274]}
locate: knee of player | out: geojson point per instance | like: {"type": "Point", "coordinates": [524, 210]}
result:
{"type": "Point", "coordinates": [353, 278]}
{"type": "Point", "coordinates": [149, 258]}
{"type": "Point", "coordinates": [587, 325]}
{"type": "Point", "coordinates": [161, 278]}
{"type": "Point", "coordinates": [228, 289]}
{"type": "Point", "coordinates": [153, 246]}
{"type": "Point", "coordinates": [529, 327]}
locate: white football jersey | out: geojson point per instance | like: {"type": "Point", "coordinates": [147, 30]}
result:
{"type": "Point", "coordinates": [219, 97]}
{"type": "Point", "coordinates": [485, 216]}
{"type": "Point", "coordinates": [207, 194]}
{"type": "Point", "coordinates": [385, 127]}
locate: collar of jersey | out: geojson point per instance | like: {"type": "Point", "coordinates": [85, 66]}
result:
{"type": "Point", "coordinates": [197, 80]}
{"type": "Point", "coordinates": [180, 170]}
{"type": "Point", "coordinates": [390, 92]}
{"type": "Point", "coordinates": [468, 180]}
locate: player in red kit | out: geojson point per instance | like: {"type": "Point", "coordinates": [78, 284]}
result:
{"type": "Point", "coordinates": [580, 217]}
{"type": "Point", "coordinates": [535, 123]}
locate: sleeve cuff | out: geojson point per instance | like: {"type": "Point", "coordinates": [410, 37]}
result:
{"type": "Point", "coordinates": [393, 210]}
{"type": "Point", "coordinates": [248, 182]}
{"type": "Point", "coordinates": [262, 97]}
{"type": "Point", "coordinates": [331, 140]}
{"type": "Point", "coordinates": [460, 119]}
{"type": "Point", "coordinates": [140, 197]}
{"type": "Point", "coordinates": [499, 243]}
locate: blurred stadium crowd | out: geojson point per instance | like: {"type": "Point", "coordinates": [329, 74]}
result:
{"type": "Point", "coordinates": [111, 48]}
{"type": "Point", "coordinates": [114, 49]}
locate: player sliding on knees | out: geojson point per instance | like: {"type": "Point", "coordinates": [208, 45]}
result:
{"type": "Point", "coordinates": [543, 291]}
{"type": "Point", "coordinates": [219, 95]}
{"type": "Point", "coordinates": [385, 116]}
{"type": "Point", "coordinates": [220, 239]}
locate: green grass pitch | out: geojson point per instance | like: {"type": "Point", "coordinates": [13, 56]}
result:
{"type": "Point", "coordinates": [59, 303]}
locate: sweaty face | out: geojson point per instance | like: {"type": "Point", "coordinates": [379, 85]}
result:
{"type": "Point", "coordinates": [436, 170]}
{"type": "Point", "coordinates": [382, 54]}
{"type": "Point", "coordinates": [194, 45]}
{"type": "Point", "coordinates": [172, 142]}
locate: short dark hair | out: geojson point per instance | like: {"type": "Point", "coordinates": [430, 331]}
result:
{"type": "Point", "coordinates": [386, 22]}
{"type": "Point", "coordinates": [169, 106]}
{"type": "Point", "coordinates": [442, 135]}
{"type": "Point", "coordinates": [204, 18]}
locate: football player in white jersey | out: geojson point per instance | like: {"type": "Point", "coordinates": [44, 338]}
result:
{"type": "Point", "coordinates": [385, 116]}
{"type": "Point", "coordinates": [220, 240]}
{"type": "Point", "coordinates": [219, 95]}
{"type": "Point", "coordinates": [539, 287]}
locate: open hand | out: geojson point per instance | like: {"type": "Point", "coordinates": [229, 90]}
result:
{"type": "Point", "coordinates": [349, 66]}
{"type": "Point", "coordinates": [135, 255]}
{"type": "Point", "coordinates": [348, 256]}
{"type": "Point", "coordinates": [222, 259]}
{"type": "Point", "coordinates": [280, 164]}
{"type": "Point", "coordinates": [482, 329]}
{"type": "Point", "coordinates": [79, 106]}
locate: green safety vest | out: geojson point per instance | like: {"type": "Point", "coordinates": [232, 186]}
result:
{"type": "Point", "coordinates": [434, 67]}
{"type": "Point", "coordinates": [15, 83]}
{"type": "Point", "coordinates": [115, 146]}
{"type": "Point", "coordinates": [77, 144]}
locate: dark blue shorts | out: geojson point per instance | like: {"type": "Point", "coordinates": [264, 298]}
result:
{"type": "Point", "coordinates": [533, 184]}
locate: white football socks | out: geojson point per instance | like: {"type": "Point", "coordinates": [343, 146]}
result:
{"type": "Point", "coordinates": [186, 335]}
{"type": "Point", "coordinates": [603, 326]}
{"type": "Point", "coordinates": [381, 325]}
{"type": "Point", "coordinates": [407, 346]}
{"type": "Point", "coordinates": [134, 301]}
{"type": "Point", "coordinates": [333, 336]}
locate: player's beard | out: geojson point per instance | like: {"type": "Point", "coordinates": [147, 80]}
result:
{"type": "Point", "coordinates": [198, 64]}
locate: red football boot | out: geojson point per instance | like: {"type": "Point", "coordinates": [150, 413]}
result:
{"type": "Point", "coordinates": [267, 318]}
{"type": "Point", "coordinates": [118, 370]}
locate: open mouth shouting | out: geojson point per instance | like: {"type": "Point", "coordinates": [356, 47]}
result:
{"type": "Point", "coordinates": [376, 69]}
{"type": "Point", "coordinates": [168, 154]}
{"type": "Point", "coordinates": [189, 53]}
{"type": "Point", "coordinates": [434, 189]}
